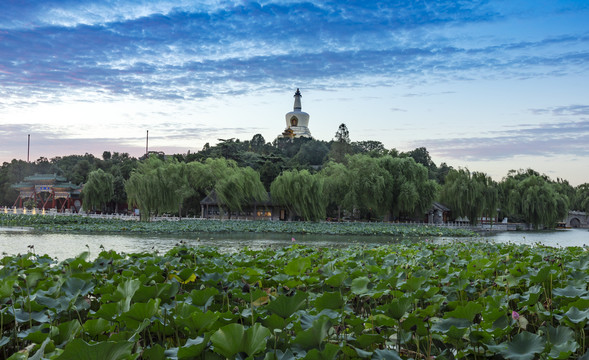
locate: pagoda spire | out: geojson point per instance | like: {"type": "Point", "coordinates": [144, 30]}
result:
{"type": "Point", "coordinates": [297, 102]}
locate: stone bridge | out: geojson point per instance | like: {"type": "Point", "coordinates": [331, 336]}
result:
{"type": "Point", "coordinates": [577, 219]}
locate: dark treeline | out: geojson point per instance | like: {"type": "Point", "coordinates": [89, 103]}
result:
{"type": "Point", "coordinates": [314, 179]}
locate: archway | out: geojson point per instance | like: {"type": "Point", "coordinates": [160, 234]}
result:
{"type": "Point", "coordinates": [294, 121]}
{"type": "Point", "coordinates": [575, 223]}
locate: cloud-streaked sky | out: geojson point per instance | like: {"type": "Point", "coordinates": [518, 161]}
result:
{"type": "Point", "coordinates": [488, 85]}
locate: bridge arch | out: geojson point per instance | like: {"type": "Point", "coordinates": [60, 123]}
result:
{"type": "Point", "coordinates": [575, 222]}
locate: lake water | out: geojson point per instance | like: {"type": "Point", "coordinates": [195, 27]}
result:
{"type": "Point", "coordinates": [65, 245]}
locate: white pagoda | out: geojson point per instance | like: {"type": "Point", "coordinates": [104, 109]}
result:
{"type": "Point", "coordinates": [297, 121]}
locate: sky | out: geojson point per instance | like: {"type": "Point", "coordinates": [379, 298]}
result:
{"type": "Point", "coordinates": [484, 85]}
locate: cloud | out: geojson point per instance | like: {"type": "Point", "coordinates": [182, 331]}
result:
{"type": "Point", "coordinates": [570, 110]}
{"type": "Point", "coordinates": [169, 50]}
{"type": "Point", "coordinates": [569, 138]}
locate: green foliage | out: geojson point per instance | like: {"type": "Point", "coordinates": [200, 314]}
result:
{"type": "Point", "coordinates": [370, 185]}
{"type": "Point", "coordinates": [239, 188]}
{"type": "Point", "coordinates": [471, 195]}
{"type": "Point", "coordinates": [413, 192]}
{"type": "Point", "coordinates": [337, 186]}
{"type": "Point", "coordinates": [534, 199]}
{"type": "Point", "coordinates": [302, 193]}
{"type": "Point", "coordinates": [94, 225]}
{"type": "Point", "coordinates": [582, 198]}
{"type": "Point", "coordinates": [98, 190]}
{"type": "Point", "coordinates": [156, 187]}
{"type": "Point", "coordinates": [390, 302]}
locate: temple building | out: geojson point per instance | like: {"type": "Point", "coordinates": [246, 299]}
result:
{"type": "Point", "coordinates": [297, 121]}
{"type": "Point", "coordinates": [49, 191]}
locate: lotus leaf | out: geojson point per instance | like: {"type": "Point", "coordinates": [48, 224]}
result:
{"type": "Point", "coordinates": [4, 340]}
{"type": "Point", "coordinates": [385, 354]}
{"type": "Point", "coordinates": [329, 300]}
{"type": "Point", "coordinates": [360, 286]}
{"type": "Point", "coordinates": [284, 306]}
{"type": "Point", "coordinates": [297, 266]}
{"type": "Point", "coordinates": [413, 284]}
{"type": "Point", "coordinates": [124, 293]}
{"type": "Point", "coordinates": [95, 327]}
{"type": "Point", "coordinates": [445, 325]}
{"type": "Point", "coordinates": [468, 311]}
{"type": "Point", "coordinates": [203, 297]}
{"type": "Point", "coordinates": [78, 349]}
{"type": "Point", "coordinates": [543, 274]}
{"type": "Point", "coordinates": [233, 338]}
{"type": "Point", "coordinates": [365, 341]}
{"type": "Point", "coordinates": [192, 348]}
{"type": "Point", "coordinates": [140, 311]}
{"type": "Point", "coordinates": [6, 287]}
{"type": "Point", "coordinates": [562, 340]}
{"type": "Point", "coordinates": [454, 298]}
{"type": "Point", "coordinates": [156, 352]}
{"type": "Point", "coordinates": [74, 286]}
{"type": "Point", "coordinates": [575, 315]}
{"type": "Point", "coordinates": [23, 316]}
{"type": "Point", "coordinates": [313, 336]}
{"type": "Point", "coordinates": [328, 353]}
{"type": "Point", "coordinates": [336, 280]}
{"type": "Point", "coordinates": [398, 307]}
{"type": "Point", "coordinates": [569, 292]}
{"type": "Point", "coordinates": [524, 346]}
{"type": "Point", "coordinates": [164, 291]}
{"type": "Point", "coordinates": [279, 355]}
{"type": "Point", "coordinates": [201, 321]}
{"type": "Point", "coordinates": [41, 351]}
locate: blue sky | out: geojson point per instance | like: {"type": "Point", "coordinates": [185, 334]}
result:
{"type": "Point", "coordinates": [488, 85]}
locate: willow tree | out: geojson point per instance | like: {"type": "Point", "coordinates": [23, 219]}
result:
{"type": "Point", "coordinates": [98, 190]}
{"type": "Point", "coordinates": [537, 201]}
{"type": "Point", "coordinates": [302, 193]}
{"type": "Point", "coordinates": [156, 187]}
{"type": "Point", "coordinates": [582, 198]}
{"type": "Point", "coordinates": [413, 193]}
{"type": "Point", "coordinates": [370, 185]}
{"type": "Point", "coordinates": [470, 194]}
{"type": "Point", "coordinates": [240, 188]}
{"type": "Point", "coordinates": [337, 186]}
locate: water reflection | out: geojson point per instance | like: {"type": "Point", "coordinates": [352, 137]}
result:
{"type": "Point", "coordinates": [63, 245]}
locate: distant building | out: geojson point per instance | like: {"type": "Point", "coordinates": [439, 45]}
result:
{"type": "Point", "coordinates": [211, 208]}
{"type": "Point", "coordinates": [297, 121]}
{"type": "Point", "coordinates": [49, 191]}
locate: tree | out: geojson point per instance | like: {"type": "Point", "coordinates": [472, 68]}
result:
{"type": "Point", "coordinates": [413, 193]}
{"type": "Point", "coordinates": [302, 193]}
{"type": "Point", "coordinates": [421, 156]}
{"type": "Point", "coordinates": [342, 135]}
{"type": "Point", "coordinates": [12, 173]}
{"type": "Point", "coordinates": [156, 187]}
{"type": "Point", "coordinates": [257, 143]}
{"type": "Point", "coordinates": [98, 190]}
{"type": "Point", "coordinates": [240, 188]}
{"type": "Point", "coordinates": [341, 146]}
{"type": "Point", "coordinates": [471, 195]}
{"type": "Point", "coordinates": [312, 153]}
{"type": "Point", "coordinates": [373, 148]}
{"type": "Point", "coordinates": [533, 198]}
{"type": "Point", "coordinates": [582, 198]}
{"type": "Point", "coordinates": [337, 185]}
{"type": "Point", "coordinates": [370, 185]}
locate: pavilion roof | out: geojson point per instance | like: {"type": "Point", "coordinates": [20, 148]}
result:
{"type": "Point", "coordinates": [45, 177]}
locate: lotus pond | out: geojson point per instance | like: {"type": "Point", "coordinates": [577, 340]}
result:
{"type": "Point", "coordinates": [423, 300]}
{"type": "Point", "coordinates": [83, 224]}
